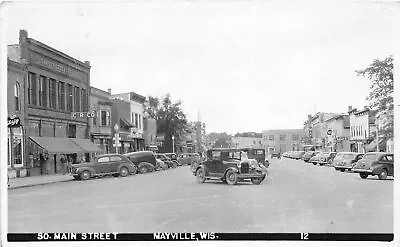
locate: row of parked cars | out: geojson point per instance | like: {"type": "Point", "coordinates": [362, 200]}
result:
{"type": "Point", "coordinates": [372, 163]}
{"type": "Point", "coordinates": [130, 163]}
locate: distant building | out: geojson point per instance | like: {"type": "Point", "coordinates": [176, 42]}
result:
{"type": "Point", "coordinates": [319, 129]}
{"type": "Point", "coordinates": [195, 138]}
{"type": "Point", "coordinates": [283, 140]}
{"type": "Point", "coordinates": [136, 113]}
{"type": "Point", "coordinates": [121, 123]}
{"type": "Point", "coordinates": [247, 142]}
{"type": "Point", "coordinates": [337, 137]}
{"type": "Point", "coordinates": [100, 124]}
{"type": "Point", "coordinates": [362, 130]}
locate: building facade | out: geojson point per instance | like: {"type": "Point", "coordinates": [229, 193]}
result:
{"type": "Point", "coordinates": [283, 140]}
{"type": "Point", "coordinates": [16, 118]}
{"type": "Point", "coordinates": [362, 130]}
{"type": "Point", "coordinates": [194, 140]}
{"type": "Point", "coordinates": [337, 137]}
{"type": "Point", "coordinates": [150, 133]}
{"type": "Point", "coordinates": [136, 116]}
{"type": "Point", "coordinates": [247, 142]}
{"type": "Point", "coordinates": [120, 123]}
{"type": "Point", "coordinates": [100, 124]}
{"type": "Point", "coordinates": [56, 93]}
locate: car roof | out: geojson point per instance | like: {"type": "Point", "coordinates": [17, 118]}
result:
{"type": "Point", "coordinates": [225, 149]}
{"type": "Point", "coordinates": [108, 155]}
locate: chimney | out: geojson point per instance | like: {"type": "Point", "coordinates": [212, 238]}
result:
{"type": "Point", "coordinates": [350, 108]}
{"type": "Point", "coordinates": [23, 36]}
{"type": "Point", "coordinates": [109, 90]}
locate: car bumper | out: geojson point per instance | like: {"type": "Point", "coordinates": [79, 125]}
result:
{"type": "Point", "coordinates": [342, 167]}
{"type": "Point", "coordinates": [358, 170]}
{"type": "Point", "coordinates": [251, 175]}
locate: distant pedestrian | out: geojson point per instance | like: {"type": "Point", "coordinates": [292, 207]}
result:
{"type": "Point", "coordinates": [69, 164]}
{"type": "Point", "coordinates": [64, 164]}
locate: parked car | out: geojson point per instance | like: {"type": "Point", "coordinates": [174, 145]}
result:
{"type": "Point", "coordinates": [346, 160]}
{"type": "Point", "coordinates": [298, 155]}
{"type": "Point", "coordinates": [307, 156]}
{"type": "Point", "coordinates": [106, 164]}
{"type": "Point", "coordinates": [166, 160]}
{"type": "Point", "coordinates": [142, 157]}
{"type": "Point", "coordinates": [185, 159]}
{"type": "Point", "coordinates": [315, 158]}
{"type": "Point", "coordinates": [327, 158]}
{"type": "Point", "coordinates": [275, 154]}
{"type": "Point", "coordinates": [145, 167]}
{"type": "Point", "coordinates": [160, 165]}
{"type": "Point", "coordinates": [375, 163]}
{"type": "Point", "coordinates": [228, 166]}
{"type": "Point", "coordinates": [173, 157]}
{"type": "Point", "coordinates": [258, 154]}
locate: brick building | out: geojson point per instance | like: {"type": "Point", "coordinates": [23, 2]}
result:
{"type": "Point", "coordinates": [283, 140]}
{"type": "Point", "coordinates": [56, 89]}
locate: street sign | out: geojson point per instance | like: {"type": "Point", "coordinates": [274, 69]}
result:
{"type": "Point", "coordinates": [13, 122]}
{"type": "Point", "coordinates": [116, 127]}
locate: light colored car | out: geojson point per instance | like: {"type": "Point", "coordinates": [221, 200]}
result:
{"type": "Point", "coordinates": [346, 160]}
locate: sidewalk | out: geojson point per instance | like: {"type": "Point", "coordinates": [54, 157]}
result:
{"type": "Point", "coordinates": [39, 180]}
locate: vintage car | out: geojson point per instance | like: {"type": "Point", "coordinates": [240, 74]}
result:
{"type": "Point", "coordinates": [227, 165]}
{"type": "Point", "coordinates": [106, 164]}
{"type": "Point", "coordinates": [160, 165]}
{"type": "Point", "coordinates": [327, 158]}
{"type": "Point", "coordinates": [142, 157]}
{"type": "Point", "coordinates": [166, 160]}
{"type": "Point", "coordinates": [315, 159]}
{"type": "Point", "coordinates": [346, 160]}
{"type": "Point", "coordinates": [145, 167]}
{"type": "Point", "coordinates": [275, 154]}
{"type": "Point", "coordinates": [258, 154]}
{"type": "Point", "coordinates": [297, 155]}
{"type": "Point", "coordinates": [308, 155]}
{"type": "Point", "coordinates": [173, 157]}
{"type": "Point", "coordinates": [375, 163]}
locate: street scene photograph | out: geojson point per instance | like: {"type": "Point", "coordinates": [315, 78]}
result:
{"type": "Point", "coordinates": [199, 117]}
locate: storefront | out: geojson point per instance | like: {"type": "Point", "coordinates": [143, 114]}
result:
{"type": "Point", "coordinates": [15, 147]}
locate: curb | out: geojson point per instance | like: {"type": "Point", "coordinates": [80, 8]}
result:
{"type": "Point", "coordinates": [32, 185]}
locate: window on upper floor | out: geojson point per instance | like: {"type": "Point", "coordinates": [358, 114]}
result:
{"type": "Point", "coordinates": [282, 137]}
{"type": "Point", "coordinates": [32, 88]}
{"type": "Point", "coordinates": [52, 93]}
{"type": "Point", "coordinates": [271, 137]}
{"type": "Point", "coordinates": [61, 95]}
{"type": "Point", "coordinates": [17, 89]}
{"type": "Point", "coordinates": [105, 118]}
{"type": "Point", "coordinates": [43, 91]}
{"type": "Point", "coordinates": [295, 137]}
{"type": "Point", "coordinates": [136, 120]}
{"type": "Point", "coordinates": [70, 96]}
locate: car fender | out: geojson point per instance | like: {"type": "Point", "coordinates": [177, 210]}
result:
{"type": "Point", "coordinates": [86, 168]}
{"type": "Point", "coordinates": [127, 165]}
{"type": "Point", "coordinates": [378, 169]}
{"type": "Point", "coordinates": [200, 166]}
{"type": "Point", "coordinates": [234, 169]}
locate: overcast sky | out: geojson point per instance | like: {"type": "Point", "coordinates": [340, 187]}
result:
{"type": "Point", "coordinates": [244, 65]}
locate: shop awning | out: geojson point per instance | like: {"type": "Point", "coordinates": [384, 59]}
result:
{"type": "Point", "coordinates": [86, 145]}
{"type": "Point", "coordinates": [126, 123]}
{"type": "Point", "coordinates": [57, 145]}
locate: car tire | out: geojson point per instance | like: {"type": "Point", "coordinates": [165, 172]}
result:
{"type": "Point", "coordinates": [85, 175]}
{"type": "Point", "coordinates": [383, 174]}
{"type": "Point", "coordinates": [77, 178]}
{"type": "Point", "coordinates": [363, 175]}
{"type": "Point", "coordinates": [257, 181]}
{"type": "Point", "coordinates": [200, 175]}
{"type": "Point", "coordinates": [231, 177]}
{"type": "Point", "coordinates": [143, 169]}
{"type": "Point", "coordinates": [135, 170]}
{"type": "Point", "coordinates": [123, 172]}
{"type": "Point", "coordinates": [342, 170]}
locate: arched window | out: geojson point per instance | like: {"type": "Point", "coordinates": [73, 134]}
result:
{"type": "Point", "coordinates": [16, 96]}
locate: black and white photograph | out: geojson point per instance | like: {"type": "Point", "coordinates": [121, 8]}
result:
{"type": "Point", "coordinates": [199, 121]}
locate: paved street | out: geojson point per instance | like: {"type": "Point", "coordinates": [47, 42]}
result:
{"type": "Point", "coordinates": [297, 197]}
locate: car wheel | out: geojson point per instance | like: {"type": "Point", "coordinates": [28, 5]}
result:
{"type": "Point", "coordinates": [257, 181]}
{"type": "Point", "coordinates": [123, 172]}
{"type": "Point", "coordinates": [77, 178]}
{"type": "Point", "coordinates": [200, 175]}
{"type": "Point", "coordinates": [231, 177]}
{"type": "Point", "coordinates": [363, 175]}
{"type": "Point", "coordinates": [143, 169]}
{"type": "Point", "coordinates": [135, 170]}
{"type": "Point", "coordinates": [383, 174]}
{"type": "Point", "coordinates": [342, 170]}
{"type": "Point", "coordinates": [85, 175]}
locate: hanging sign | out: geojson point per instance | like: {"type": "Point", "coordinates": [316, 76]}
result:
{"type": "Point", "coordinates": [13, 122]}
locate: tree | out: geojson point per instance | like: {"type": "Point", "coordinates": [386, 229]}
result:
{"type": "Point", "coordinates": [171, 120]}
{"type": "Point", "coordinates": [380, 98]}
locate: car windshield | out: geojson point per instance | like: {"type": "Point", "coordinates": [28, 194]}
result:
{"type": "Point", "coordinates": [370, 156]}
{"type": "Point", "coordinates": [244, 156]}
